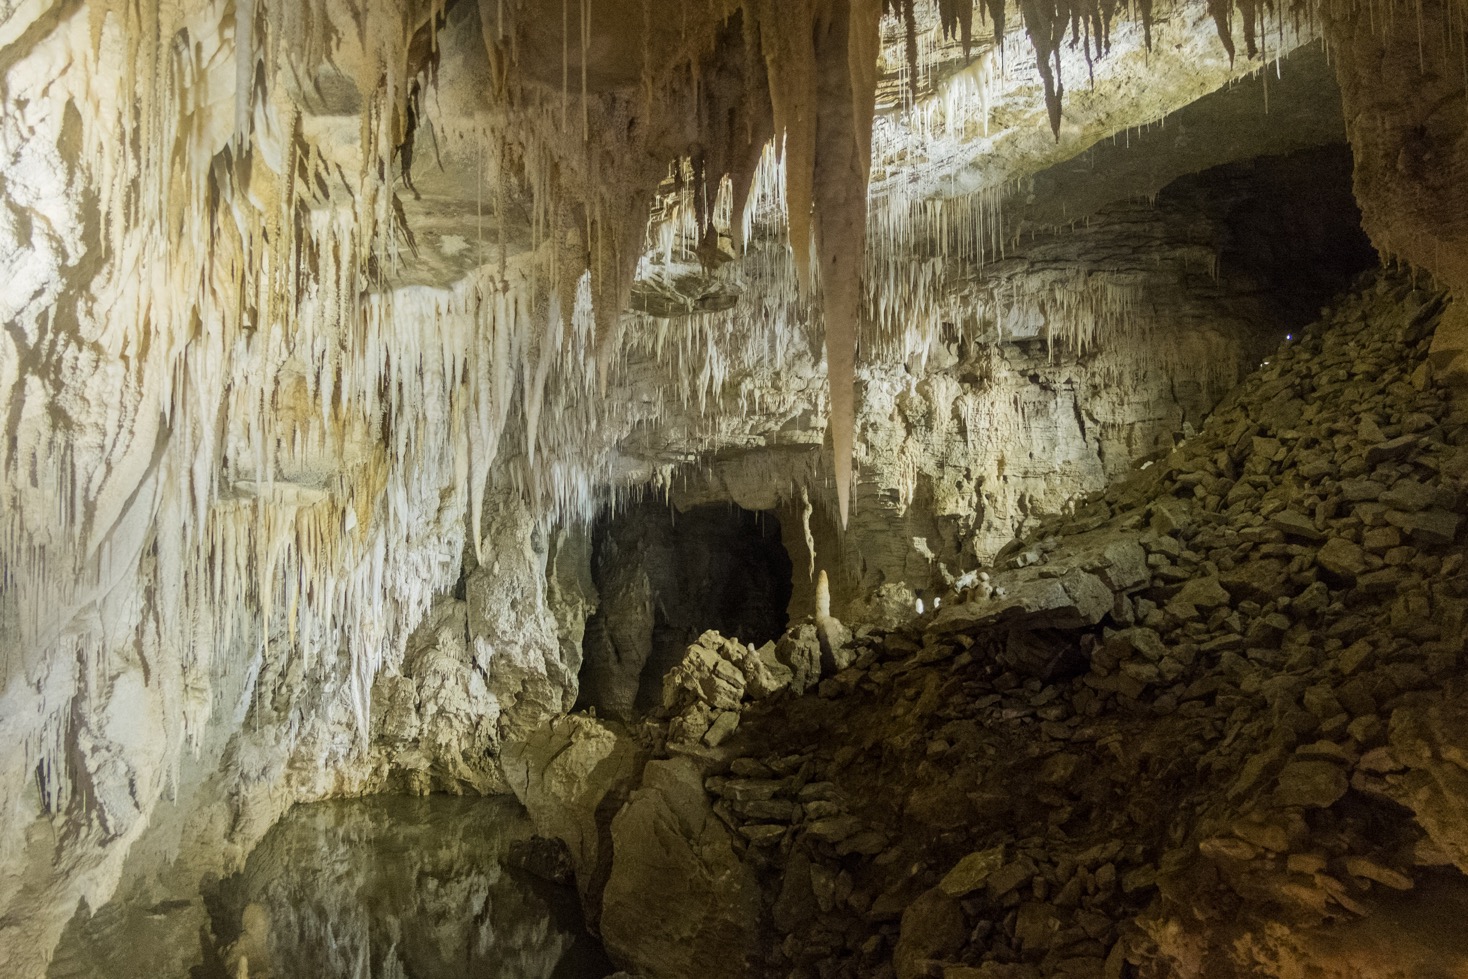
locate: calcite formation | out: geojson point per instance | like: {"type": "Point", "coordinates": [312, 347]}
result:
{"type": "Point", "coordinates": [330, 329]}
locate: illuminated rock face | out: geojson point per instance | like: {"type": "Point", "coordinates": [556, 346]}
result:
{"type": "Point", "coordinates": [313, 312]}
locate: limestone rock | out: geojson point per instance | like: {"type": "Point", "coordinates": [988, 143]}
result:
{"type": "Point", "coordinates": [1433, 527]}
{"type": "Point", "coordinates": [1128, 643]}
{"type": "Point", "coordinates": [1010, 876]}
{"type": "Point", "coordinates": [1315, 784]}
{"type": "Point", "coordinates": [887, 607]}
{"type": "Point", "coordinates": [564, 774]}
{"type": "Point", "coordinates": [514, 635]}
{"type": "Point", "coordinates": [722, 726]}
{"type": "Point", "coordinates": [1122, 565]}
{"type": "Point", "coordinates": [835, 640]}
{"type": "Point", "coordinates": [678, 901]}
{"type": "Point", "coordinates": [707, 688]}
{"type": "Point", "coordinates": [435, 724]}
{"type": "Point", "coordinates": [1432, 743]}
{"type": "Point", "coordinates": [1296, 525]}
{"type": "Point", "coordinates": [1077, 598]}
{"type": "Point", "coordinates": [972, 872]}
{"type": "Point", "coordinates": [799, 651]}
{"type": "Point", "coordinates": [1199, 594]}
{"type": "Point", "coordinates": [704, 676]}
{"type": "Point", "coordinates": [933, 928]}
{"type": "Point", "coordinates": [1342, 558]}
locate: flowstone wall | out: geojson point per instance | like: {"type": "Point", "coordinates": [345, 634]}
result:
{"type": "Point", "coordinates": [300, 335]}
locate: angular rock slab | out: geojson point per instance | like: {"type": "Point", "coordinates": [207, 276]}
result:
{"type": "Point", "coordinates": [568, 775]}
{"type": "Point", "coordinates": [679, 902]}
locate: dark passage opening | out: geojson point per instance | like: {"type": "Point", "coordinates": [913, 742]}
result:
{"type": "Point", "coordinates": [1291, 227]}
{"type": "Point", "coordinates": [666, 577]}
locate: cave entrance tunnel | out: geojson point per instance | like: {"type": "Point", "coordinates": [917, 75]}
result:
{"type": "Point", "coordinates": [664, 577]}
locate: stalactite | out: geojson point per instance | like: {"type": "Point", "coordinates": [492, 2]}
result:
{"type": "Point", "coordinates": [909, 28]}
{"type": "Point", "coordinates": [996, 14]}
{"type": "Point", "coordinates": [957, 18]}
{"type": "Point", "coordinates": [301, 443]}
{"type": "Point", "coordinates": [786, 31]}
{"type": "Point", "coordinates": [846, 54]}
{"type": "Point", "coordinates": [1221, 10]}
{"type": "Point", "coordinates": [1045, 22]}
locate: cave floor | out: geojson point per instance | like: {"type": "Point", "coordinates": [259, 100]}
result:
{"type": "Point", "coordinates": [1246, 760]}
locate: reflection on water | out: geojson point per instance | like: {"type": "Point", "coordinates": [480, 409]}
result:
{"type": "Point", "coordinates": [397, 888]}
{"type": "Point", "coordinates": [386, 888]}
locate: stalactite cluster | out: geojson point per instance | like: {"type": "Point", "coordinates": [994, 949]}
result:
{"type": "Point", "coordinates": [237, 431]}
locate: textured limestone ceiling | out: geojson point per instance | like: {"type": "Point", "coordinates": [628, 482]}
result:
{"type": "Point", "coordinates": [286, 318]}
{"type": "Point", "coordinates": [979, 123]}
{"type": "Point", "coordinates": [562, 122]}
{"type": "Point", "coordinates": [263, 287]}
{"type": "Point", "coordinates": [978, 127]}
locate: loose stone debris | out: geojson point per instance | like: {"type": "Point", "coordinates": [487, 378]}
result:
{"type": "Point", "coordinates": [1215, 714]}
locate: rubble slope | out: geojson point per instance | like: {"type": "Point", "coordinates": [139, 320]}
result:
{"type": "Point", "coordinates": [1207, 723]}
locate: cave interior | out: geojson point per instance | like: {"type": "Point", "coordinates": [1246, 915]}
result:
{"type": "Point", "coordinates": [644, 489]}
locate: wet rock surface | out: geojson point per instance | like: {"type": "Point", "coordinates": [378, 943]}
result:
{"type": "Point", "coordinates": [1207, 722]}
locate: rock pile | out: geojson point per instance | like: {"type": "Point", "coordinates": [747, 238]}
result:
{"type": "Point", "coordinates": [1195, 720]}
{"type": "Point", "coordinates": [717, 677]}
{"type": "Point", "coordinates": [1209, 722]}
{"type": "Point", "coordinates": [704, 693]}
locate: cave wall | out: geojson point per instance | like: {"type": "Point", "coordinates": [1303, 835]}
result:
{"type": "Point", "coordinates": [1084, 350]}
{"type": "Point", "coordinates": [214, 535]}
{"type": "Point", "coordinates": [1405, 99]}
{"type": "Point", "coordinates": [249, 416]}
{"type": "Point", "coordinates": [1403, 92]}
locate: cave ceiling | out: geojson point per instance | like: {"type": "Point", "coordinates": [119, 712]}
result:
{"type": "Point", "coordinates": [633, 139]}
{"type": "Point", "coordinates": [978, 125]}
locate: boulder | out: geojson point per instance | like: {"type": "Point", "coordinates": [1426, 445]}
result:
{"type": "Point", "coordinates": [1390, 450]}
{"type": "Point", "coordinates": [1432, 743]}
{"type": "Point", "coordinates": [1435, 527]}
{"type": "Point", "coordinates": [1198, 595]}
{"type": "Point", "coordinates": [1073, 600]}
{"type": "Point", "coordinates": [835, 640]}
{"type": "Point", "coordinates": [933, 928]}
{"type": "Point", "coordinates": [1126, 644]}
{"type": "Point", "coordinates": [887, 607]}
{"type": "Point", "coordinates": [1255, 580]}
{"type": "Point", "coordinates": [1312, 784]}
{"type": "Point", "coordinates": [764, 674]}
{"type": "Point", "coordinates": [1341, 559]}
{"type": "Point", "coordinates": [799, 651]}
{"type": "Point", "coordinates": [565, 775]}
{"type": "Point", "coordinates": [678, 901]}
{"type": "Point", "coordinates": [1293, 524]}
{"type": "Point", "coordinates": [704, 676]}
{"type": "Point", "coordinates": [972, 872]}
